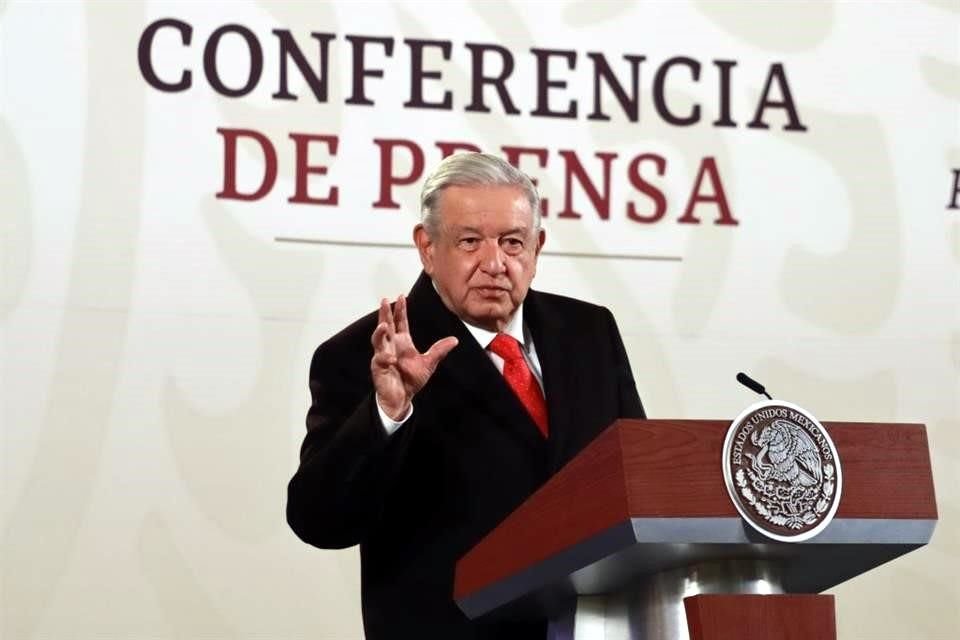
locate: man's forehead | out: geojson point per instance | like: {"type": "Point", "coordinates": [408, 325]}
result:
{"type": "Point", "coordinates": [484, 195]}
{"type": "Point", "coordinates": [465, 203]}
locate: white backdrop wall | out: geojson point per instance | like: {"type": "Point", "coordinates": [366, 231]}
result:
{"type": "Point", "coordinates": [156, 338]}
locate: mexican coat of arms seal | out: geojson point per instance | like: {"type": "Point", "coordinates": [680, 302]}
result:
{"type": "Point", "coordinates": [782, 471]}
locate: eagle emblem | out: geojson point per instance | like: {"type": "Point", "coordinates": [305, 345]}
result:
{"type": "Point", "coordinates": [787, 454]}
{"type": "Point", "coordinates": [782, 471]}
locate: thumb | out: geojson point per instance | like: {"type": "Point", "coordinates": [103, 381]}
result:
{"type": "Point", "coordinates": [439, 350]}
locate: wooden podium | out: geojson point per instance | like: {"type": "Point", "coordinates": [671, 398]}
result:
{"type": "Point", "coordinates": [636, 538]}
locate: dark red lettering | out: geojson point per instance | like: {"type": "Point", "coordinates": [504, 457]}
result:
{"type": "Point", "coordinates": [641, 185]}
{"type": "Point", "coordinates": [708, 168]}
{"type": "Point", "coordinates": [230, 190]}
{"type": "Point", "coordinates": [450, 148]}
{"type": "Point", "coordinates": [387, 178]}
{"type": "Point", "coordinates": [573, 168]}
{"type": "Point", "coordinates": [304, 168]}
{"type": "Point", "coordinates": [513, 154]}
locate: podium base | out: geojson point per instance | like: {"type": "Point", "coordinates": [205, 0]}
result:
{"type": "Point", "coordinates": [752, 617]}
{"type": "Point", "coordinates": [654, 610]}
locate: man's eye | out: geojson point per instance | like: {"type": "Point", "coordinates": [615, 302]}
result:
{"type": "Point", "coordinates": [512, 244]}
{"type": "Point", "coordinates": [469, 243]}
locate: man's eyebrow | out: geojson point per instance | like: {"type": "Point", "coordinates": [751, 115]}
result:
{"type": "Point", "coordinates": [457, 229]}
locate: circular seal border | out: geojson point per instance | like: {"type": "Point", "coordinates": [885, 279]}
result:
{"type": "Point", "coordinates": [728, 472]}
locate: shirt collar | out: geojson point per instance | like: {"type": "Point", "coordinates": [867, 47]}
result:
{"type": "Point", "coordinates": [514, 329]}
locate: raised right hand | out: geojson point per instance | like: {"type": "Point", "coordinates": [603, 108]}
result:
{"type": "Point", "coordinates": [399, 371]}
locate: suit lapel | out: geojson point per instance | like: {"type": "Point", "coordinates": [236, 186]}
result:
{"type": "Point", "coordinates": [468, 365]}
{"type": "Point", "coordinates": [559, 374]}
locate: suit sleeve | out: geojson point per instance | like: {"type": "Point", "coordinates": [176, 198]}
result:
{"type": "Point", "coordinates": [347, 459]}
{"type": "Point", "coordinates": [630, 405]}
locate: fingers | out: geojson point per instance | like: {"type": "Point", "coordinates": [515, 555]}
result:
{"type": "Point", "coordinates": [383, 356]}
{"type": "Point", "coordinates": [383, 313]}
{"type": "Point", "coordinates": [384, 360]}
{"type": "Point", "coordinates": [379, 337]}
{"type": "Point", "coordinates": [387, 316]}
{"type": "Point", "coordinates": [439, 351]}
{"type": "Point", "coordinates": [396, 318]}
{"type": "Point", "coordinates": [400, 315]}
{"type": "Point", "coordinates": [385, 329]}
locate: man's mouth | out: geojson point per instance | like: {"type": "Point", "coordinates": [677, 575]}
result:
{"type": "Point", "coordinates": [491, 291]}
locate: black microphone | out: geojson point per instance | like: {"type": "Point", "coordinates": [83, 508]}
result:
{"type": "Point", "coordinates": [752, 384]}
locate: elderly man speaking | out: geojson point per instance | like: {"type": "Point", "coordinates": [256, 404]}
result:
{"type": "Point", "coordinates": [437, 415]}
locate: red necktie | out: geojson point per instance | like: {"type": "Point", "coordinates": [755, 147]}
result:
{"type": "Point", "coordinates": [518, 375]}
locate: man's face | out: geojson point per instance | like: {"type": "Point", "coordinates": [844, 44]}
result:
{"type": "Point", "coordinates": [484, 255]}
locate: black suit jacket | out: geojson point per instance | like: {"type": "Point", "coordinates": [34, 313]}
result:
{"type": "Point", "coordinates": [419, 499]}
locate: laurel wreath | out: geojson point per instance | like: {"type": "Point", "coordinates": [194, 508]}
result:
{"type": "Point", "coordinates": [795, 509]}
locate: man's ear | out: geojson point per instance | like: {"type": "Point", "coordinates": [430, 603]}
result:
{"type": "Point", "coordinates": [425, 247]}
{"type": "Point", "coordinates": [541, 238]}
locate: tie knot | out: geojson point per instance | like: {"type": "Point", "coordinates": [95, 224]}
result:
{"type": "Point", "coordinates": [506, 347]}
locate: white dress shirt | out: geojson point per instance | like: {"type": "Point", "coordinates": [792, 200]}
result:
{"type": "Point", "coordinates": [515, 328]}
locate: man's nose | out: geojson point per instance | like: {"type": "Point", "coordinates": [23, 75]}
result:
{"type": "Point", "coordinates": [492, 257]}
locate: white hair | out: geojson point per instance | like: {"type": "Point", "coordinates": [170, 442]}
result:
{"type": "Point", "coordinates": [472, 169]}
